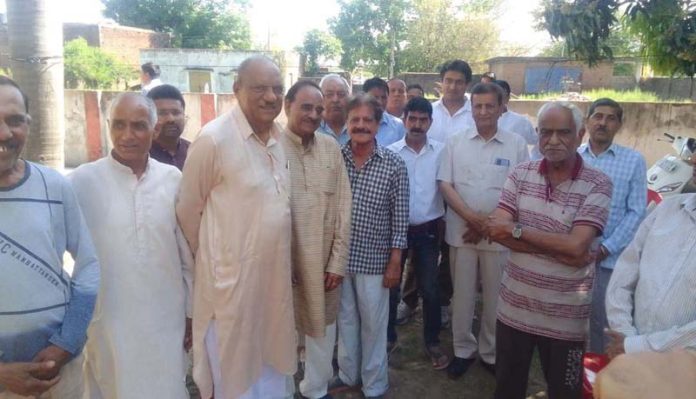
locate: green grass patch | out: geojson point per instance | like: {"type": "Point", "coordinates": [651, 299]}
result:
{"type": "Point", "coordinates": [635, 95]}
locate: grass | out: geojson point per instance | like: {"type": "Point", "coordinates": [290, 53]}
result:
{"type": "Point", "coordinates": [635, 95]}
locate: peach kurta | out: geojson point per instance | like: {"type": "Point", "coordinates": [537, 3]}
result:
{"type": "Point", "coordinates": [234, 209]}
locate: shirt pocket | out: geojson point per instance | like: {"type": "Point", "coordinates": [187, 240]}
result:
{"type": "Point", "coordinates": [327, 180]}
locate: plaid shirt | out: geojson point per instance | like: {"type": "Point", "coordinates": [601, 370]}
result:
{"type": "Point", "coordinates": [380, 209]}
{"type": "Point", "coordinates": [626, 168]}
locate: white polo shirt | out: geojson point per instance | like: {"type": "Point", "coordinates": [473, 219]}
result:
{"type": "Point", "coordinates": [425, 200]}
{"type": "Point", "coordinates": [478, 170]}
{"type": "Point", "coordinates": [518, 123]}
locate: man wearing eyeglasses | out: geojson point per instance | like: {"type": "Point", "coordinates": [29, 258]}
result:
{"type": "Point", "coordinates": [234, 209]}
{"type": "Point", "coordinates": [168, 146]}
{"type": "Point", "coordinates": [44, 310]}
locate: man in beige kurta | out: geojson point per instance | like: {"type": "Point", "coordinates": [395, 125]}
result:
{"type": "Point", "coordinates": [320, 200]}
{"type": "Point", "coordinates": [234, 209]}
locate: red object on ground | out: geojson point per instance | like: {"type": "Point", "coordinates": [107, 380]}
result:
{"type": "Point", "coordinates": [592, 363]}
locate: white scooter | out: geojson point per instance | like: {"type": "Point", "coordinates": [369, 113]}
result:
{"type": "Point", "coordinates": [672, 174]}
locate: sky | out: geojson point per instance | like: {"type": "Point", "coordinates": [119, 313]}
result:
{"type": "Point", "coordinates": [286, 21]}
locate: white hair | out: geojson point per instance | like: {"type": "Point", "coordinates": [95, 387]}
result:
{"type": "Point", "coordinates": [578, 119]}
{"type": "Point", "coordinates": [334, 76]}
{"type": "Point", "coordinates": [147, 101]}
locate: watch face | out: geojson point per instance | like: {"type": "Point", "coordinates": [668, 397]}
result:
{"type": "Point", "coordinates": [517, 232]}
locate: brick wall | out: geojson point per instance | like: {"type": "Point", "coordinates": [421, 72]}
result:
{"type": "Point", "coordinates": [127, 42]}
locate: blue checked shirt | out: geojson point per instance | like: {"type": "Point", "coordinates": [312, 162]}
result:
{"type": "Point", "coordinates": [380, 209]}
{"type": "Point", "coordinates": [326, 129]}
{"type": "Point", "coordinates": [627, 171]}
{"type": "Point", "coordinates": [391, 130]}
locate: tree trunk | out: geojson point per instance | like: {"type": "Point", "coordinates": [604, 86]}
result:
{"type": "Point", "coordinates": [36, 59]}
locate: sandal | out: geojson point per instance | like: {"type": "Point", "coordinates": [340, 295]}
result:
{"type": "Point", "coordinates": [438, 358]}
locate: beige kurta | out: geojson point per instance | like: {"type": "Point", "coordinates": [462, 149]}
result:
{"type": "Point", "coordinates": [320, 199]}
{"type": "Point", "coordinates": [234, 209]}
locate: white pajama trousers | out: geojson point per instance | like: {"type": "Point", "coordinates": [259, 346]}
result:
{"type": "Point", "coordinates": [465, 266]}
{"type": "Point", "coordinates": [362, 333]}
{"type": "Point", "coordinates": [318, 368]}
{"type": "Point", "coordinates": [270, 385]}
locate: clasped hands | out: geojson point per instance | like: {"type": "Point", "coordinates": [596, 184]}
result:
{"type": "Point", "coordinates": [481, 226]}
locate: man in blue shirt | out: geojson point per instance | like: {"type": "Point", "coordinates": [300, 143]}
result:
{"type": "Point", "coordinates": [45, 310]}
{"type": "Point", "coordinates": [626, 168]}
{"type": "Point", "coordinates": [391, 129]}
{"type": "Point", "coordinates": [333, 121]}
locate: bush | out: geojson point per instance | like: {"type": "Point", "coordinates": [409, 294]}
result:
{"type": "Point", "coordinates": [91, 68]}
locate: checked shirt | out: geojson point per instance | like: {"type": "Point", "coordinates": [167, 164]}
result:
{"type": "Point", "coordinates": [379, 220]}
{"type": "Point", "coordinates": [626, 168]}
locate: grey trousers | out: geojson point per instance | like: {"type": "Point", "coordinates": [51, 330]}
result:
{"type": "Point", "coordinates": [598, 318]}
{"type": "Point", "coordinates": [363, 315]}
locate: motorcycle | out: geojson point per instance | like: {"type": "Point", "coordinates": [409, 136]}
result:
{"type": "Point", "coordinates": [672, 174]}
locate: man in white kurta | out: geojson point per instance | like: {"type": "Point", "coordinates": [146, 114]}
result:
{"type": "Point", "coordinates": [135, 345]}
{"type": "Point", "coordinates": [234, 209]}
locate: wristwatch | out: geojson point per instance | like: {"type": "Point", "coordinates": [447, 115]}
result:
{"type": "Point", "coordinates": [517, 231]}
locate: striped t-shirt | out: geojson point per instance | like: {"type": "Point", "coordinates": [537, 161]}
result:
{"type": "Point", "coordinates": [539, 295]}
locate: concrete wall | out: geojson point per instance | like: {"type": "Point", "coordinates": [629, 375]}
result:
{"type": "Point", "coordinates": [643, 124]}
{"type": "Point", "coordinates": [87, 139]}
{"type": "Point", "coordinates": [175, 65]}
{"type": "Point", "coordinates": [667, 88]}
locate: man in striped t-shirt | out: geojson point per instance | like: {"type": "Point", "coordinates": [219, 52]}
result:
{"type": "Point", "coordinates": [550, 215]}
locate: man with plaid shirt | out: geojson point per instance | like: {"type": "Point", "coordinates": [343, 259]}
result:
{"type": "Point", "coordinates": [626, 168]}
{"type": "Point", "coordinates": [379, 182]}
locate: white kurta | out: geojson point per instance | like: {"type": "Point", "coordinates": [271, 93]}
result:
{"type": "Point", "coordinates": [135, 345]}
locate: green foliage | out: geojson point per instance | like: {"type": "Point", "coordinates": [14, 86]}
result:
{"type": "Point", "coordinates": [369, 30]}
{"type": "Point", "coordinates": [422, 33]}
{"type": "Point", "coordinates": [317, 44]}
{"type": "Point", "coordinates": [666, 30]}
{"type": "Point", "coordinates": [193, 23]}
{"type": "Point", "coordinates": [91, 68]}
{"type": "Point", "coordinates": [439, 30]}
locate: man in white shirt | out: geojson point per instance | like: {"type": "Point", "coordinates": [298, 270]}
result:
{"type": "Point", "coordinates": [518, 123]}
{"type": "Point", "coordinates": [426, 208]}
{"type": "Point", "coordinates": [650, 300]}
{"type": "Point", "coordinates": [149, 77]}
{"type": "Point", "coordinates": [452, 113]}
{"type": "Point", "coordinates": [144, 299]}
{"type": "Point", "coordinates": [474, 167]}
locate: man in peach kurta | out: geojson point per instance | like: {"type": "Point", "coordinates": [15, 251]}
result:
{"type": "Point", "coordinates": [234, 209]}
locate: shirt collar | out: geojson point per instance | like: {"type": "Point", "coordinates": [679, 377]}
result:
{"type": "Point", "coordinates": [246, 131]}
{"type": "Point", "coordinates": [544, 167]}
{"type": "Point", "coordinates": [125, 169]}
{"type": "Point", "coordinates": [401, 144]}
{"type": "Point", "coordinates": [465, 108]}
{"type": "Point", "coordinates": [379, 150]}
{"type": "Point", "coordinates": [585, 149]}
{"type": "Point", "coordinates": [472, 133]}
{"type": "Point", "coordinates": [297, 140]}
{"type": "Point", "coordinates": [326, 128]}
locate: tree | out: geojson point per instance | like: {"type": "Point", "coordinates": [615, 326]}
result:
{"type": "Point", "coordinates": [318, 44]}
{"type": "Point", "coordinates": [193, 23]}
{"type": "Point", "coordinates": [35, 36]}
{"type": "Point", "coordinates": [666, 30]}
{"type": "Point", "coordinates": [91, 68]}
{"type": "Point", "coordinates": [440, 30]}
{"type": "Point", "coordinates": [370, 32]}
{"type": "Point", "coordinates": [621, 41]}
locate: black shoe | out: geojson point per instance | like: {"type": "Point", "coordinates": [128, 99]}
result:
{"type": "Point", "coordinates": [458, 367]}
{"type": "Point", "coordinates": [488, 367]}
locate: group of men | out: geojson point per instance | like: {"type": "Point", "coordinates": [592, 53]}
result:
{"type": "Point", "coordinates": [274, 239]}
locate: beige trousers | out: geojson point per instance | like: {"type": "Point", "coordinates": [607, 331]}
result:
{"type": "Point", "coordinates": [466, 266]}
